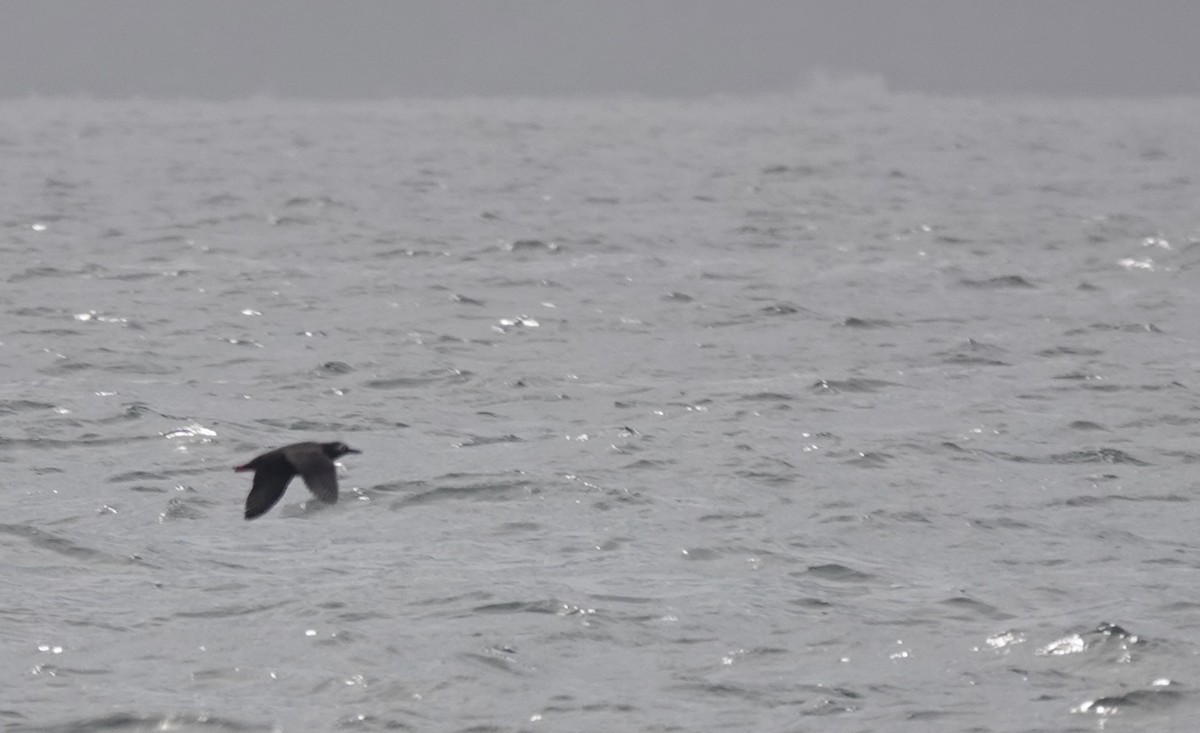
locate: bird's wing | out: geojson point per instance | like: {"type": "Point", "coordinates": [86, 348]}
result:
{"type": "Point", "coordinates": [318, 472]}
{"type": "Point", "coordinates": [269, 485]}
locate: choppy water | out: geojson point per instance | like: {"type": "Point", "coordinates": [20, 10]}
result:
{"type": "Point", "coordinates": [838, 411]}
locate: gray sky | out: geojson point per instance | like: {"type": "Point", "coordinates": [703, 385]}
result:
{"type": "Point", "coordinates": [377, 48]}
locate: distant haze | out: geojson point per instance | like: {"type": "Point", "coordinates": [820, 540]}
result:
{"type": "Point", "coordinates": [371, 49]}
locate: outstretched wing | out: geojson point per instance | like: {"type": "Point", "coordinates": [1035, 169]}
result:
{"type": "Point", "coordinates": [269, 485]}
{"type": "Point", "coordinates": [318, 472]}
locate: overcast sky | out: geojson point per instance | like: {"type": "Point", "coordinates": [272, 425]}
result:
{"type": "Point", "coordinates": [389, 48]}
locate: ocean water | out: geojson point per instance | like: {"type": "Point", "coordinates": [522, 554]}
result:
{"type": "Point", "coordinates": [841, 410]}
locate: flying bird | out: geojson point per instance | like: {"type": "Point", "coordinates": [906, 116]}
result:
{"type": "Point", "coordinates": [274, 470]}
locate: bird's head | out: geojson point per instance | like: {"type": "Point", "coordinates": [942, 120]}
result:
{"type": "Point", "coordinates": [337, 450]}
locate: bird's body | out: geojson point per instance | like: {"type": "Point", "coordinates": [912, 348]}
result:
{"type": "Point", "coordinates": [275, 469]}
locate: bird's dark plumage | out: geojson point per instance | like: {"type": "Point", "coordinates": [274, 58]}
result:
{"type": "Point", "coordinates": [274, 470]}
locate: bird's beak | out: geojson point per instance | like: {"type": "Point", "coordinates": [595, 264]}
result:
{"type": "Point", "coordinates": [351, 450]}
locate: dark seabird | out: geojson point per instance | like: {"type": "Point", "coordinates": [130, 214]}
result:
{"type": "Point", "coordinates": [273, 471]}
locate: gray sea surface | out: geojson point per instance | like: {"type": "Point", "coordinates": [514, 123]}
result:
{"type": "Point", "coordinates": [840, 410]}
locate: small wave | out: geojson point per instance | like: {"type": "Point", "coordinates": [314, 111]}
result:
{"type": "Point", "coordinates": [85, 440]}
{"type": "Point", "coordinates": [452, 376]}
{"type": "Point", "coordinates": [134, 723]}
{"type": "Point", "coordinates": [309, 426]}
{"type": "Point", "coordinates": [133, 411]}
{"type": "Point", "coordinates": [1126, 327]}
{"type": "Point", "coordinates": [477, 440]}
{"type": "Point", "coordinates": [44, 540]}
{"type": "Point", "coordinates": [770, 478]}
{"type": "Point", "coordinates": [183, 509]}
{"type": "Point", "coordinates": [870, 460]}
{"type": "Point", "coordinates": [1094, 500]}
{"type": "Point", "coordinates": [974, 353]}
{"type": "Point", "coordinates": [1075, 376]}
{"type": "Point", "coordinates": [1105, 636]}
{"type": "Point", "coordinates": [970, 359]}
{"type": "Point", "coordinates": [1003, 281]}
{"type": "Point", "coordinates": [335, 367]}
{"type": "Point", "coordinates": [551, 606]}
{"type": "Point", "coordinates": [1155, 698]}
{"type": "Point", "coordinates": [766, 397]}
{"type": "Point", "coordinates": [407, 252]}
{"type": "Point", "coordinates": [732, 276]}
{"type": "Point", "coordinates": [33, 273]}
{"type": "Point", "coordinates": [969, 609]}
{"type": "Point", "coordinates": [648, 464]}
{"type": "Point", "coordinates": [827, 701]}
{"type": "Point", "coordinates": [803, 169]}
{"type": "Point", "coordinates": [475, 487]}
{"type": "Point", "coordinates": [498, 658]}
{"type": "Point", "coordinates": [1098, 455]}
{"type": "Point", "coordinates": [317, 202]}
{"type": "Point", "coordinates": [866, 323]}
{"type": "Point", "coordinates": [837, 572]}
{"type": "Point", "coordinates": [710, 690]}
{"type": "Point", "coordinates": [231, 610]}
{"type": "Point", "coordinates": [532, 246]}
{"type": "Point", "coordinates": [1000, 523]}
{"type": "Point", "coordinates": [15, 406]}
{"type": "Point", "coordinates": [811, 602]}
{"type": "Point", "coordinates": [149, 275]}
{"type": "Point", "coordinates": [700, 554]}
{"type": "Point", "coordinates": [1070, 351]}
{"type": "Point", "coordinates": [222, 199]}
{"type": "Point", "coordinates": [854, 384]}
{"type": "Point", "coordinates": [128, 476]}
{"type": "Point", "coordinates": [781, 309]}
{"type": "Point", "coordinates": [466, 300]}
{"type": "Point", "coordinates": [289, 220]}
